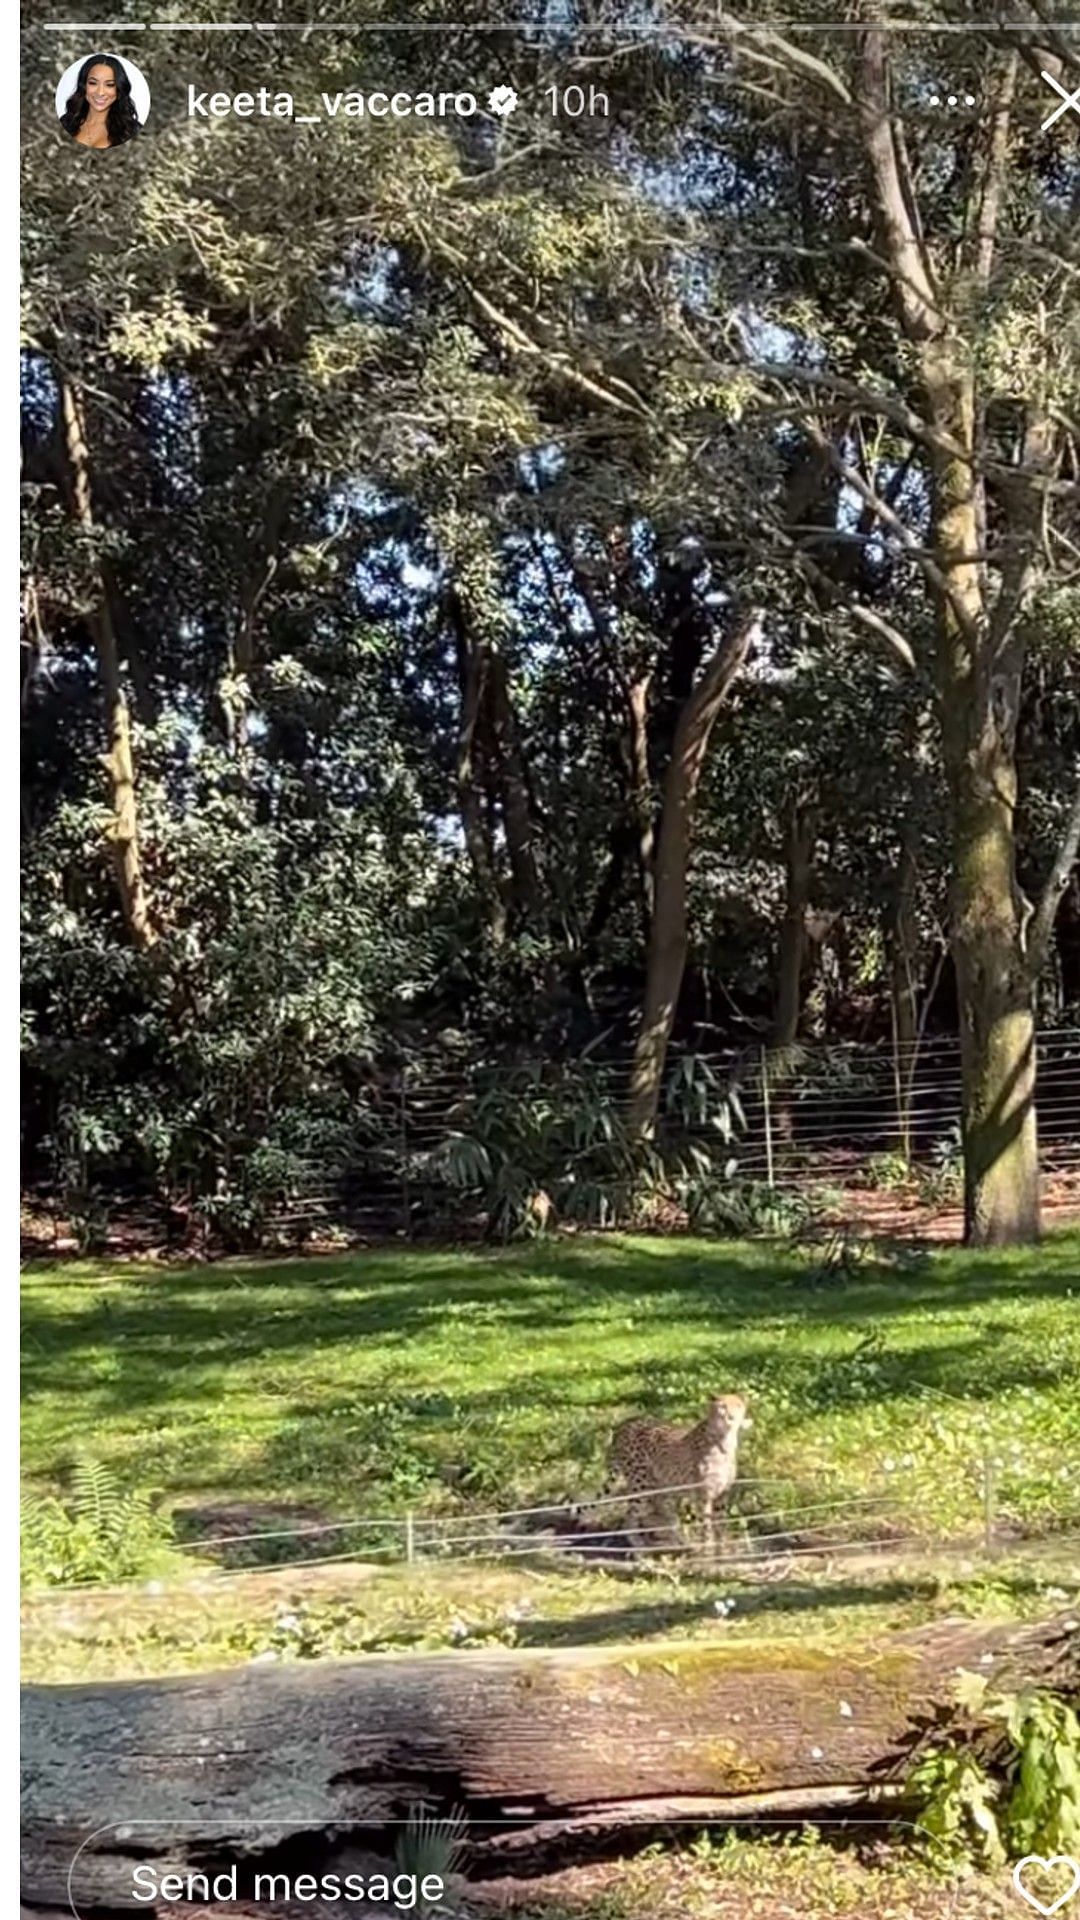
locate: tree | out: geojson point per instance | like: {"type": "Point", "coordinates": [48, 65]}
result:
{"type": "Point", "coordinates": [982, 414]}
{"type": "Point", "coordinates": [666, 958]}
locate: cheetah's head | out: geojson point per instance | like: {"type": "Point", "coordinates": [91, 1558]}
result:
{"type": "Point", "coordinates": [727, 1413]}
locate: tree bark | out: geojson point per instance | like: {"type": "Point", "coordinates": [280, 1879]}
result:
{"type": "Point", "coordinates": [903, 945]}
{"type": "Point", "coordinates": [978, 656]}
{"type": "Point", "coordinates": [978, 674]}
{"type": "Point", "coordinates": [641, 800]}
{"type": "Point", "coordinates": [798, 877]}
{"type": "Point", "coordinates": [799, 835]}
{"type": "Point", "coordinates": [667, 939]}
{"type": "Point", "coordinates": [241, 651]}
{"type": "Point", "coordinates": [473, 665]}
{"type": "Point", "coordinates": [118, 762]}
{"type": "Point", "coordinates": [229, 1765]}
{"type": "Point", "coordinates": [517, 809]}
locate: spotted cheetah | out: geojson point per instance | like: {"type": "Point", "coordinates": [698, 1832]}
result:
{"type": "Point", "coordinates": [650, 1455]}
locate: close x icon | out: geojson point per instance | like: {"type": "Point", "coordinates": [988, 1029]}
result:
{"type": "Point", "coordinates": [1068, 100]}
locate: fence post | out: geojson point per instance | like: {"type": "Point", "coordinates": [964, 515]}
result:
{"type": "Point", "coordinates": [403, 1148]}
{"type": "Point", "coordinates": [903, 1105]}
{"type": "Point", "coordinates": [410, 1541]}
{"type": "Point", "coordinates": [989, 1501]}
{"type": "Point", "coordinates": [769, 1171]}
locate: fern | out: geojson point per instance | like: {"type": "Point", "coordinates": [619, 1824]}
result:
{"type": "Point", "coordinates": [431, 1843]}
{"type": "Point", "coordinates": [105, 1531]}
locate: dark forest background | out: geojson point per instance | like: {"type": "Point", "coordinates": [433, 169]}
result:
{"type": "Point", "coordinates": [546, 598]}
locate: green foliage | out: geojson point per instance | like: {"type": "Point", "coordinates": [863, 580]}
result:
{"type": "Point", "coordinates": [104, 1531]}
{"type": "Point", "coordinates": [991, 1803]}
{"type": "Point", "coordinates": [696, 1096]}
{"type": "Point", "coordinates": [545, 1145]}
{"type": "Point", "coordinates": [941, 1183]}
{"type": "Point", "coordinates": [957, 1807]}
{"type": "Point", "coordinates": [541, 1145]}
{"type": "Point", "coordinates": [719, 1202]}
{"type": "Point", "coordinates": [214, 1080]}
{"type": "Point", "coordinates": [1043, 1809]}
{"type": "Point", "coordinates": [312, 436]}
{"type": "Point", "coordinates": [888, 1172]}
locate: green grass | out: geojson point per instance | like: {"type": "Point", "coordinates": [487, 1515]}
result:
{"type": "Point", "coordinates": [348, 1610]}
{"type": "Point", "coordinates": [448, 1382]}
{"type": "Point", "coordinates": [443, 1381]}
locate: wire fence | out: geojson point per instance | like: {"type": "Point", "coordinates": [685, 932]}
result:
{"type": "Point", "coordinates": [767, 1529]}
{"type": "Point", "coordinates": [854, 1135]}
{"type": "Point", "coordinates": [864, 1135]}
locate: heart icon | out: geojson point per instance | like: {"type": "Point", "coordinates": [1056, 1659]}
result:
{"type": "Point", "coordinates": [1036, 1860]}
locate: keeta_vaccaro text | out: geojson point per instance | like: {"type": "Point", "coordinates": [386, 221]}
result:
{"type": "Point", "coordinates": [263, 103]}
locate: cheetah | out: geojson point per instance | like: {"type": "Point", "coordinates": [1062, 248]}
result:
{"type": "Point", "coordinates": [650, 1455]}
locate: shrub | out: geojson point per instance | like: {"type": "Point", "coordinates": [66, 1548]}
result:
{"type": "Point", "coordinates": [103, 1532]}
{"type": "Point", "coordinates": [989, 1802]}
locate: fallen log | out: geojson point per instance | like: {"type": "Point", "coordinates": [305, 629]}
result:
{"type": "Point", "coordinates": [241, 1765]}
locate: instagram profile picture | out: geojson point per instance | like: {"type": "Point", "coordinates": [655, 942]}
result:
{"type": "Point", "coordinates": [102, 100]}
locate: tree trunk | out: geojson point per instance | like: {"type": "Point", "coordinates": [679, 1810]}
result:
{"type": "Point", "coordinates": [903, 943]}
{"type": "Point", "coordinates": [641, 800]}
{"type": "Point", "coordinates": [978, 646]}
{"type": "Point", "coordinates": [799, 838]}
{"type": "Point", "coordinates": [473, 664]}
{"type": "Point", "coordinates": [798, 878]}
{"type": "Point", "coordinates": [241, 651]}
{"type": "Point", "coordinates": [227, 1766]}
{"type": "Point", "coordinates": [118, 762]}
{"type": "Point", "coordinates": [997, 1025]}
{"type": "Point", "coordinates": [517, 809]}
{"type": "Point", "coordinates": [978, 678]}
{"type": "Point", "coordinates": [667, 939]}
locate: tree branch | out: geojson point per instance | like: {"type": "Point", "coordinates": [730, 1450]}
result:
{"type": "Point", "coordinates": [996, 168]}
{"type": "Point", "coordinates": [907, 256]}
{"type": "Point", "coordinates": [1042, 923]}
{"type": "Point", "coordinates": [773, 50]}
{"type": "Point", "coordinates": [888, 517]}
{"type": "Point", "coordinates": [554, 359]}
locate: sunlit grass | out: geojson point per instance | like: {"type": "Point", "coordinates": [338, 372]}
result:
{"type": "Point", "coordinates": [443, 1381]}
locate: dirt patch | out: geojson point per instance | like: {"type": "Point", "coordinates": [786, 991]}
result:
{"type": "Point", "coordinates": [257, 1533]}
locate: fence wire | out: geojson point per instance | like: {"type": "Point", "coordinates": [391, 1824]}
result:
{"type": "Point", "coordinates": [870, 1133]}
{"type": "Point", "coordinates": [755, 1535]}
{"type": "Point", "coordinates": [857, 1135]}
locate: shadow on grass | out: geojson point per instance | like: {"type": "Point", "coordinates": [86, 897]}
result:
{"type": "Point", "coordinates": [643, 1617]}
{"type": "Point", "coordinates": [401, 1290]}
{"type": "Point", "coordinates": [139, 1349]}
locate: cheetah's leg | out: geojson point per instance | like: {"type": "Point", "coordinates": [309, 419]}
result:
{"type": "Point", "coordinates": [663, 1526]}
{"type": "Point", "coordinates": [637, 1519]}
{"type": "Point", "coordinates": [648, 1524]}
{"type": "Point", "coordinates": [667, 1533]}
{"type": "Point", "coordinates": [707, 1526]}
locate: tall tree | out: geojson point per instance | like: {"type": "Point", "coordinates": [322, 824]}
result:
{"type": "Point", "coordinates": [666, 957]}
{"type": "Point", "coordinates": [122, 830]}
{"type": "Point", "coordinates": [984, 418]}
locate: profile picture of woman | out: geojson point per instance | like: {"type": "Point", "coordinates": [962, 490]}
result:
{"type": "Point", "coordinates": [102, 100]}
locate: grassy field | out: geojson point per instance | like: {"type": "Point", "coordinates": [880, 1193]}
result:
{"type": "Point", "coordinates": [446, 1381]}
